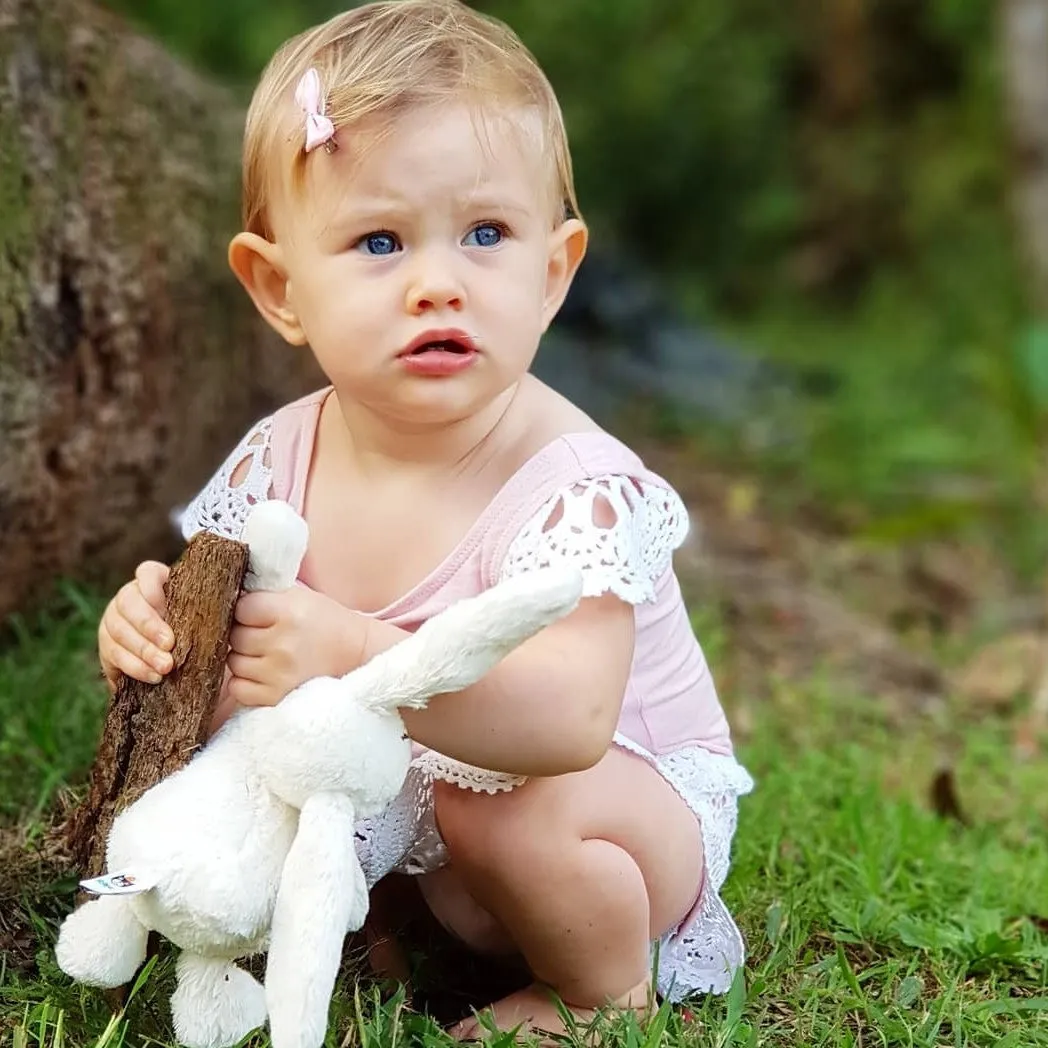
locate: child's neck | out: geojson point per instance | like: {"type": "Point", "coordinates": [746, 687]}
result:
{"type": "Point", "coordinates": [378, 446]}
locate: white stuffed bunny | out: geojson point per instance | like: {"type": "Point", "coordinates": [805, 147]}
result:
{"type": "Point", "coordinates": [251, 845]}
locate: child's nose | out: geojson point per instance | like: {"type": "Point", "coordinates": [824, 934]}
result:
{"type": "Point", "coordinates": [434, 285]}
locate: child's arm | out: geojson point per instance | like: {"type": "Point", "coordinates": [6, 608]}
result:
{"type": "Point", "coordinates": [548, 708]}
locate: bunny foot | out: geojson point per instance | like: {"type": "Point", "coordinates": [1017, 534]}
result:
{"type": "Point", "coordinates": [216, 1003]}
{"type": "Point", "coordinates": [102, 943]}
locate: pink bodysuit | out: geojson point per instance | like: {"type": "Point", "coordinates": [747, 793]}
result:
{"type": "Point", "coordinates": [544, 514]}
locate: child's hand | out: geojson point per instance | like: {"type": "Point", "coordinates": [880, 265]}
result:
{"type": "Point", "coordinates": [281, 640]}
{"type": "Point", "coordinates": [133, 637]}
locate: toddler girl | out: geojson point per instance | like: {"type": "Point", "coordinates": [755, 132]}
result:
{"type": "Point", "coordinates": [409, 215]}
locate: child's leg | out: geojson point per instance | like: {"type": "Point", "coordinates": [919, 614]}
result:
{"type": "Point", "coordinates": [583, 871]}
{"type": "Point", "coordinates": [450, 901]}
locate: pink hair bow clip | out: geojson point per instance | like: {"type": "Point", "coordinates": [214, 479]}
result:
{"type": "Point", "coordinates": [319, 129]}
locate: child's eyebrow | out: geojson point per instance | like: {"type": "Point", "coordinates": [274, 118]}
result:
{"type": "Point", "coordinates": [494, 205]}
{"type": "Point", "coordinates": [364, 210]}
{"type": "Point", "coordinates": [362, 207]}
{"type": "Point", "coordinates": [351, 216]}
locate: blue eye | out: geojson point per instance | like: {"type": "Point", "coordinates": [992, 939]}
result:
{"type": "Point", "coordinates": [486, 235]}
{"type": "Point", "coordinates": [378, 244]}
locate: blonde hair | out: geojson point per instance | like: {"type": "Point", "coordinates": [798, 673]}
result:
{"type": "Point", "coordinates": [384, 59]}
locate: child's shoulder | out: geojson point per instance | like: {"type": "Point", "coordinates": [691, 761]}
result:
{"type": "Point", "coordinates": [305, 407]}
{"type": "Point", "coordinates": [585, 497]}
{"type": "Point", "coordinates": [549, 429]}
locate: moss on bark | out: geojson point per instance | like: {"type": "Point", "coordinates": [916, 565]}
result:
{"type": "Point", "coordinates": [130, 360]}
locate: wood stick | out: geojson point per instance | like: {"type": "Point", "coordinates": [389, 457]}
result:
{"type": "Point", "coordinates": [151, 730]}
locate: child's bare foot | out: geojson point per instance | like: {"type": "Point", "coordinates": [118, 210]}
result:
{"type": "Point", "coordinates": [535, 1010]}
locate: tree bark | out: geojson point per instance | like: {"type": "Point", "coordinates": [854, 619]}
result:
{"type": "Point", "coordinates": [151, 730]}
{"type": "Point", "coordinates": [130, 359]}
{"type": "Point", "coordinates": [1024, 44]}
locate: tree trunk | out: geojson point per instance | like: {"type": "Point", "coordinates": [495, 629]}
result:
{"type": "Point", "coordinates": [1024, 42]}
{"type": "Point", "coordinates": [1024, 59]}
{"type": "Point", "coordinates": [151, 730]}
{"type": "Point", "coordinates": [130, 360]}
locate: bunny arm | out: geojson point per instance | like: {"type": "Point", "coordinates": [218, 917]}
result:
{"type": "Point", "coordinates": [323, 895]}
{"type": "Point", "coordinates": [345, 734]}
{"type": "Point", "coordinates": [457, 647]}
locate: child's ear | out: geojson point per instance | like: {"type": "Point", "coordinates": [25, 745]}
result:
{"type": "Point", "coordinates": [258, 265]}
{"type": "Point", "coordinates": [567, 247]}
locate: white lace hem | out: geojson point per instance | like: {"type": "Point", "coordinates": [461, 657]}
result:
{"type": "Point", "coordinates": [241, 482]}
{"type": "Point", "coordinates": [701, 955]}
{"type": "Point", "coordinates": [620, 531]}
{"type": "Point", "coordinates": [466, 776]}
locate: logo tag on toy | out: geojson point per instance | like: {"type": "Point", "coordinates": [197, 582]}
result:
{"type": "Point", "coordinates": [122, 882]}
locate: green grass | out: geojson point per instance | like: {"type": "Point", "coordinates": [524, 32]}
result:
{"type": "Point", "coordinates": [870, 920]}
{"type": "Point", "coordinates": [51, 702]}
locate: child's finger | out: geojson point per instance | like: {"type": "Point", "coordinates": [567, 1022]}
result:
{"type": "Point", "coordinates": [258, 609]}
{"type": "Point", "coordinates": [125, 635]}
{"type": "Point", "coordinates": [133, 606]}
{"type": "Point", "coordinates": [249, 640]}
{"type": "Point", "coordinates": [246, 692]}
{"type": "Point", "coordinates": [152, 577]}
{"type": "Point", "coordinates": [118, 657]}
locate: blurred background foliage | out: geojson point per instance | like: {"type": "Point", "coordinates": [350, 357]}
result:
{"type": "Point", "coordinates": [827, 183]}
{"type": "Point", "coordinates": [761, 147]}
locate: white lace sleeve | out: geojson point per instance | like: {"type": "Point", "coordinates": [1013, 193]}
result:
{"type": "Point", "coordinates": [241, 481]}
{"type": "Point", "coordinates": [620, 531]}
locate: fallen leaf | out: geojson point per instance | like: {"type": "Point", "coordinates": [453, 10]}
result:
{"type": "Point", "coordinates": [1001, 671]}
{"type": "Point", "coordinates": [909, 991]}
{"type": "Point", "coordinates": [944, 798]}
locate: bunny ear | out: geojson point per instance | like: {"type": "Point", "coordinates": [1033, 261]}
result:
{"type": "Point", "coordinates": [276, 538]}
{"type": "Point", "coordinates": [322, 896]}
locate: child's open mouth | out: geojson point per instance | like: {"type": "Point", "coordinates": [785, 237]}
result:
{"type": "Point", "coordinates": [441, 347]}
{"type": "Point", "coordinates": [439, 353]}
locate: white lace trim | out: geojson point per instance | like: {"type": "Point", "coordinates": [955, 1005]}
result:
{"type": "Point", "coordinates": [403, 837]}
{"type": "Point", "coordinates": [704, 952]}
{"type": "Point", "coordinates": [619, 530]}
{"type": "Point", "coordinates": [241, 482]}
{"type": "Point", "coordinates": [466, 776]}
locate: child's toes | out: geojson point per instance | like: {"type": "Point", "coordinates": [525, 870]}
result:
{"type": "Point", "coordinates": [465, 1029]}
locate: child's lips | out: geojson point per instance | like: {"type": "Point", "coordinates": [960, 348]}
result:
{"type": "Point", "coordinates": [439, 359]}
{"type": "Point", "coordinates": [446, 340]}
{"type": "Point", "coordinates": [439, 352]}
